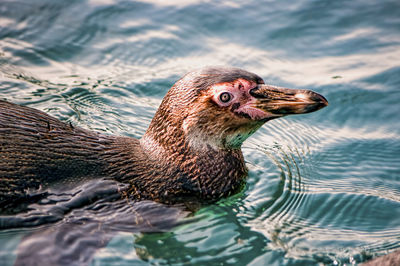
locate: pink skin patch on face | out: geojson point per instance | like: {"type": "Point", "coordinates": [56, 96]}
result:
{"type": "Point", "coordinates": [241, 100]}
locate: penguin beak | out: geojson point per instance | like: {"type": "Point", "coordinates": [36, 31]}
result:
{"type": "Point", "coordinates": [279, 102]}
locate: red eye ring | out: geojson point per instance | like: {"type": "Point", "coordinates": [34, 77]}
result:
{"type": "Point", "coordinates": [225, 97]}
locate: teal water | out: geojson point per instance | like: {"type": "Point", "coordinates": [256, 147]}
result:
{"type": "Point", "coordinates": [323, 188]}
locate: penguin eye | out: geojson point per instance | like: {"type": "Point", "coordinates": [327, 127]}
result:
{"type": "Point", "coordinates": [225, 97]}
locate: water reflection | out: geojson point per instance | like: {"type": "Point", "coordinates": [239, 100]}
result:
{"type": "Point", "coordinates": [70, 226]}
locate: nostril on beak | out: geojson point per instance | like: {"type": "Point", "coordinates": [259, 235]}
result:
{"type": "Point", "coordinates": [255, 92]}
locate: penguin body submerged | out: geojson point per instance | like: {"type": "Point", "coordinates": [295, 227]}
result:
{"type": "Point", "coordinates": [191, 149]}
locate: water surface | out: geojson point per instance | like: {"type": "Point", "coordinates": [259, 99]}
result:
{"type": "Point", "coordinates": [322, 188]}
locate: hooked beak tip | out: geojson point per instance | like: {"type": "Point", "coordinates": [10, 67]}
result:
{"type": "Point", "coordinates": [313, 98]}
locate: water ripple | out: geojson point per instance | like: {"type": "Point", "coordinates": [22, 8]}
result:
{"type": "Point", "coordinates": [322, 188]}
{"type": "Point", "coordinates": [312, 209]}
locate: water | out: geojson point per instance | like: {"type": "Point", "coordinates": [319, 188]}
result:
{"type": "Point", "coordinates": [323, 188]}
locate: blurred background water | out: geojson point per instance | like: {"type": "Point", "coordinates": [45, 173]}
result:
{"type": "Point", "coordinates": [323, 188]}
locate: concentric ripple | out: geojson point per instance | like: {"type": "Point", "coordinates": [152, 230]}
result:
{"type": "Point", "coordinates": [315, 209]}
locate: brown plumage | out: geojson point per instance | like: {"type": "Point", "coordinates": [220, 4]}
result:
{"type": "Point", "coordinates": [191, 150]}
